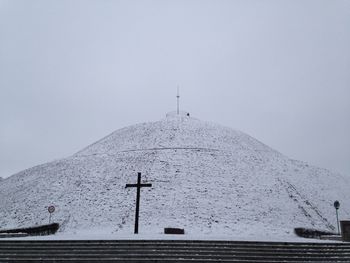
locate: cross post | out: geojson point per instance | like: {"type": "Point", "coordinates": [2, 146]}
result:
{"type": "Point", "coordinates": [138, 188]}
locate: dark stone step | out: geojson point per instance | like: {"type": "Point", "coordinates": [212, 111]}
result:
{"type": "Point", "coordinates": [178, 255]}
{"type": "Point", "coordinates": [187, 242]}
{"type": "Point", "coordinates": [158, 248]}
{"type": "Point", "coordinates": [187, 251]}
{"type": "Point", "coordinates": [161, 258]}
{"type": "Point", "coordinates": [152, 246]}
{"type": "Point", "coordinates": [131, 243]}
{"type": "Point", "coordinates": [169, 250]}
{"type": "Point", "coordinates": [75, 260]}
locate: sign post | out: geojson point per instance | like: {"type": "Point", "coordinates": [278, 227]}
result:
{"type": "Point", "coordinates": [51, 209]}
{"type": "Point", "coordinates": [336, 206]}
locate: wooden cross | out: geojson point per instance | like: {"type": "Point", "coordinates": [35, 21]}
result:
{"type": "Point", "coordinates": [138, 187]}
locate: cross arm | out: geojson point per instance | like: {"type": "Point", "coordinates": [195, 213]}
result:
{"type": "Point", "coordinates": [130, 185]}
{"type": "Point", "coordinates": [138, 185]}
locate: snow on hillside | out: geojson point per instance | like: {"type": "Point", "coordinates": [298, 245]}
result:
{"type": "Point", "coordinates": [208, 179]}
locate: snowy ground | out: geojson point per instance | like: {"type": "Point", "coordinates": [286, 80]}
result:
{"type": "Point", "coordinates": [107, 234]}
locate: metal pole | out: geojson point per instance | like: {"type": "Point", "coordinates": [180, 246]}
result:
{"type": "Point", "coordinates": [50, 219]}
{"type": "Point", "coordinates": [178, 102]}
{"type": "Point", "coordinates": [336, 211]}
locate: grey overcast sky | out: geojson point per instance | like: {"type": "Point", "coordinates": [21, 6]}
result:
{"type": "Point", "coordinates": [73, 71]}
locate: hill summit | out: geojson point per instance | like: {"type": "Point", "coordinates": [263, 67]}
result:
{"type": "Point", "coordinates": [206, 178]}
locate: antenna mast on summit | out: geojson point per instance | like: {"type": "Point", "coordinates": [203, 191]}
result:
{"type": "Point", "coordinates": [178, 101]}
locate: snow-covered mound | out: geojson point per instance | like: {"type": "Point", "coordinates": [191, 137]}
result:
{"type": "Point", "coordinates": [206, 178]}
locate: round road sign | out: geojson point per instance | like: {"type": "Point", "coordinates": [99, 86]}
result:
{"type": "Point", "coordinates": [51, 209]}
